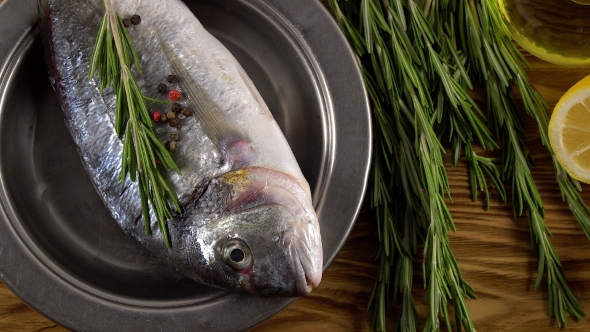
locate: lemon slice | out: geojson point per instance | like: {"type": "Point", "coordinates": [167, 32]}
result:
{"type": "Point", "coordinates": [569, 130]}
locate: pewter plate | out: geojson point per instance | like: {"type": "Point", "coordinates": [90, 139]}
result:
{"type": "Point", "coordinates": [62, 253]}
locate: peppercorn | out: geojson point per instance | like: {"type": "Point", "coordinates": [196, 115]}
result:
{"type": "Point", "coordinates": [174, 123]}
{"type": "Point", "coordinates": [174, 94]}
{"type": "Point", "coordinates": [174, 136]}
{"type": "Point", "coordinates": [162, 88]}
{"type": "Point", "coordinates": [170, 115]}
{"type": "Point", "coordinates": [176, 107]}
{"type": "Point", "coordinates": [156, 116]}
{"type": "Point", "coordinates": [171, 145]}
{"type": "Point", "coordinates": [164, 117]}
{"type": "Point", "coordinates": [135, 19]}
{"type": "Point", "coordinates": [172, 79]}
{"type": "Point", "coordinates": [127, 22]}
{"type": "Point", "coordinates": [185, 111]}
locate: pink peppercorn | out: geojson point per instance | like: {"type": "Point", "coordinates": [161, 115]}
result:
{"type": "Point", "coordinates": [174, 94]}
{"type": "Point", "coordinates": [156, 116]}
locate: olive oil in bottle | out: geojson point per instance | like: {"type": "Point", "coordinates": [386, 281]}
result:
{"type": "Point", "coordinates": [557, 31]}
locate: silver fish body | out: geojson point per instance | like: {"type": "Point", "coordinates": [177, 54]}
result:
{"type": "Point", "coordinates": [248, 223]}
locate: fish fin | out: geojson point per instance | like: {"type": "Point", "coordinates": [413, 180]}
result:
{"type": "Point", "coordinates": [45, 28]}
{"type": "Point", "coordinates": [219, 127]}
{"type": "Point", "coordinates": [46, 35]}
{"type": "Point", "coordinates": [250, 85]}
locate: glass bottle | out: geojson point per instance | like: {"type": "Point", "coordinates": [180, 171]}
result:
{"type": "Point", "coordinates": [557, 31]}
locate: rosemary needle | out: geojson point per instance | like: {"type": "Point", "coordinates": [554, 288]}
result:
{"type": "Point", "coordinates": [112, 56]}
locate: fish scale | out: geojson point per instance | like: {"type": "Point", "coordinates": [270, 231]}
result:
{"type": "Point", "coordinates": [248, 196]}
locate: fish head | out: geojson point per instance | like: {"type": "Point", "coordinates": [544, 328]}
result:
{"type": "Point", "coordinates": [266, 241]}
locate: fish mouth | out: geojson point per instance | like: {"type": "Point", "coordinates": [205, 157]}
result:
{"type": "Point", "coordinates": [306, 264]}
{"type": "Point", "coordinates": [303, 284]}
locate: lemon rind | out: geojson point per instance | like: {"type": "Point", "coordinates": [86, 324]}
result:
{"type": "Point", "coordinates": [579, 92]}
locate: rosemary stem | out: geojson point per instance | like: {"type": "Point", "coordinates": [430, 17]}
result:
{"type": "Point", "coordinates": [125, 76]}
{"type": "Point", "coordinates": [133, 120]}
{"type": "Point", "coordinates": [112, 57]}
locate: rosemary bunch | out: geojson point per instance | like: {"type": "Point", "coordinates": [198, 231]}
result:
{"type": "Point", "coordinates": [415, 80]}
{"type": "Point", "coordinates": [418, 59]}
{"type": "Point", "coordinates": [495, 61]}
{"type": "Point", "coordinates": [112, 56]}
{"type": "Point", "coordinates": [395, 133]}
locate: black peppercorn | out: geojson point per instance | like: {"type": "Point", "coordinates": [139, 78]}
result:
{"type": "Point", "coordinates": [127, 22]}
{"type": "Point", "coordinates": [171, 79]}
{"type": "Point", "coordinates": [135, 19]}
{"type": "Point", "coordinates": [185, 111]}
{"type": "Point", "coordinates": [174, 136]}
{"type": "Point", "coordinates": [174, 123]}
{"type": "Point", "coordinates": [162, 88]}
{"type": "Point", "coordinates": [176, 107]}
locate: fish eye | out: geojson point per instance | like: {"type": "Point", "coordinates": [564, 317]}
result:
{"type": "Point", "coordinates": [236, 254]}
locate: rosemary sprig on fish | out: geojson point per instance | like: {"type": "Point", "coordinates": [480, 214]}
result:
{"type": "Point", "coordinates": [111, 59]}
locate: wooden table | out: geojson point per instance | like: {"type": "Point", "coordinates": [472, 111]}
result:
{"type": "Point", "coordinates": [492, 249]}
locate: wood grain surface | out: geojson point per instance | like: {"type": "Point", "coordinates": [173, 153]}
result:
{"type": "Point", "coordinates": [492, 249]}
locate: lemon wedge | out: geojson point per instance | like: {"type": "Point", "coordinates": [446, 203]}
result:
{"type": "Point", "coordinates": [569, 130]}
